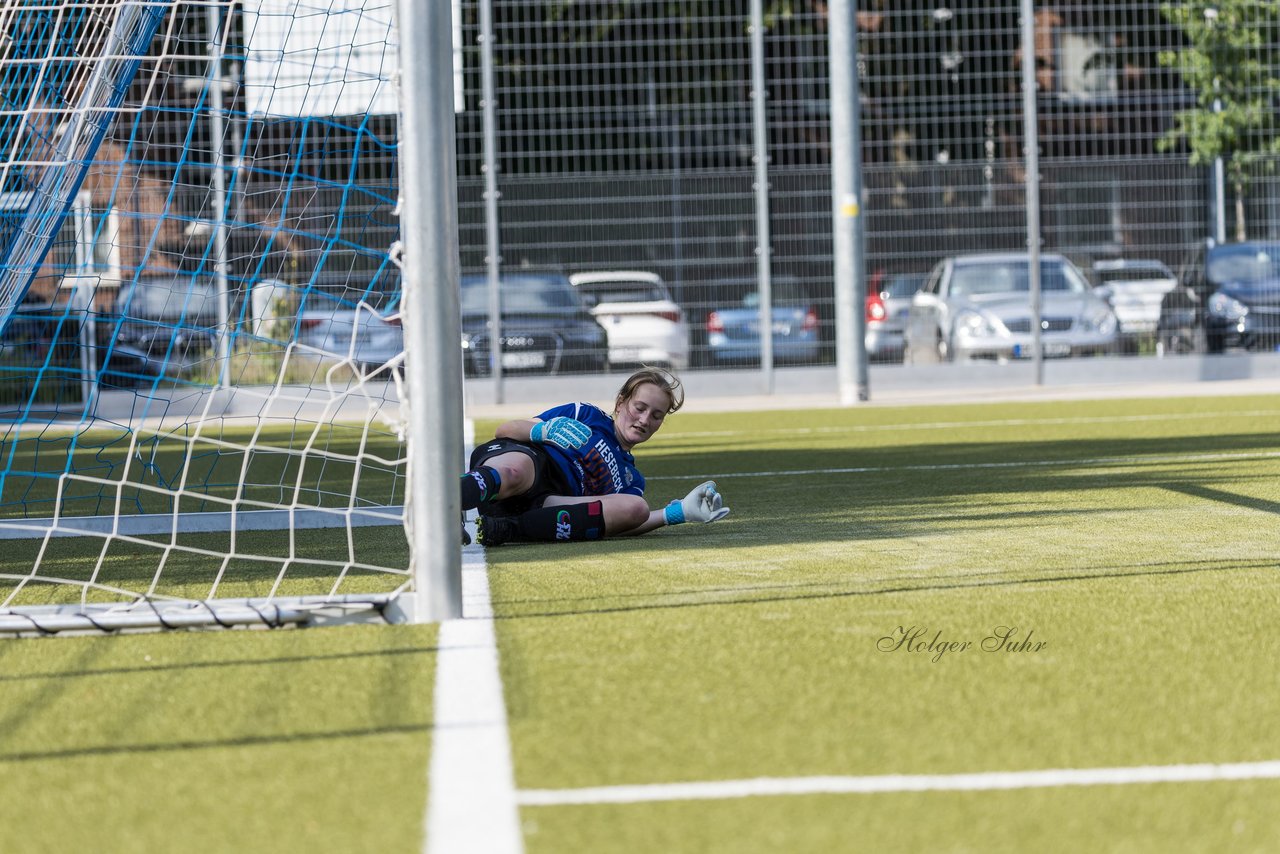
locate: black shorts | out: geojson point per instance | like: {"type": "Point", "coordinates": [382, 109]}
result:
{"type": "Point", "coordinates": [547, 479]}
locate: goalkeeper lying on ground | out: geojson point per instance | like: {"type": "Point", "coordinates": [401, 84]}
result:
{"type": "Point", "coordinates": [569, 474]}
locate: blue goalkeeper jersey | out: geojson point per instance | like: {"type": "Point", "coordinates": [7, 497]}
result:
{"type": "Point", "coordinates": [599, 467]}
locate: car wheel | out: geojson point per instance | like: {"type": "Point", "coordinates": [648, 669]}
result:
{"type": "Point", "coordinates": [1180, 341]}
{"type": "Point", "coordinates": [943, 347]}
{"type": "Point", "coordinates": [1214, 343]}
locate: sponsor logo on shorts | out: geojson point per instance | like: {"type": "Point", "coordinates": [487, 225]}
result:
{"type": "Point", "coordinates": [563, 526]}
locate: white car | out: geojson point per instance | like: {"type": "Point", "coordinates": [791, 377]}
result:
{"type": "Point", "coordinates": [644, 325]}
{"type": "Point", "coordinates": [1135, 289]}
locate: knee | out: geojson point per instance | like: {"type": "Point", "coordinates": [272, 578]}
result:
{"type": "Point", "coordinates": [629, 512]}
{"type": "Point", "coordinates": [515, 474]}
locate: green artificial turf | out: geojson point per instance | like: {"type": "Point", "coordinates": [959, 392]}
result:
{"type": "Point", "coordinates": [330, 466]}
{"type": "Point", "coordinates": [312, 740]}
{"type": "Point", "coordinates": [1134, 540]}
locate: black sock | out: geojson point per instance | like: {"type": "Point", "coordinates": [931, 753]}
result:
{"type": "Point", "coordinates": [479, 486]}
{"type": "Point", "coordinates": [568, 522]}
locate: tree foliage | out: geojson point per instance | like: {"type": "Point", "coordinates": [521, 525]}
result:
{"type": "Point", "coordinates": [1231, 61]}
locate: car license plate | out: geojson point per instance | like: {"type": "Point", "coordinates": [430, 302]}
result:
{"type": "Point", "coordinates": [1049, 349]}
{"type": "Point", "coordinates": [519, 361]}
{"type": "Point", "coordinates": [625, 354]}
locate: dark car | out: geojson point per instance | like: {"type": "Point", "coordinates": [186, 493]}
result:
{"type": "Point", "coordinates": [546, 327]}
{"type": "Point", "coordinates": [1243, 306]}
{"type": "Point", "coordinates": [161, 326]}
{"type": "Point", "coordinates": [44, 344]}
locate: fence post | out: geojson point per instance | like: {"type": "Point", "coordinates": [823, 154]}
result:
{"type": "Point", "coordinates": [764, 252]}
{"type": "Point", "coordinates": [493, 245]}
{"type": "Point", "coordinates": [1031, 154]}
{"type": "Point", "coordinates": [846, 190]}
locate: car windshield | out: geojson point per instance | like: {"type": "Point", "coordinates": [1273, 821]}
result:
{"type": "Point", "coordinates": [520, 294]}
{"type": "Point", "coordinates": [903, 285]}
{"type": "Point", "coordinates": [619, 291]}
{"type": "Point", "coordinates": [784, 291]}
{"type": "Point", "coordinates": [1246, 263]}
{"type": "Point", "coordinates": [999, 277]}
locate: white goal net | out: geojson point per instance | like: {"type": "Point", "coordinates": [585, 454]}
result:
{"type": "Point", "coordinates": [202, 360]}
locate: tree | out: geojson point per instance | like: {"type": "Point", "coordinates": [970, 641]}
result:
{"type": "Point", "coordinates": [1230, 60]}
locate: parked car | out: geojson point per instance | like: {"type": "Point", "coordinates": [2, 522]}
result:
{"type": "Point", "coordinates": [1135, 290]}
{"type": "Point", "coordinates": [1243, 305]}
{"type": "Point", "coordinates": [370, 339]}
{"type": "Point", "coordinates": [733, 332]}
{"type": "Point", "coordinates": [643, 322]}
{"type": "Point", "coordinates": [979, 307]}
{"type": "Point", "coordinates": [888, 305]}
{"type": "Point", "coordinates": [1181, 326]}
{"type": "Point", "coordinates": [160, 326]}
{"type": "Point", "coordinates": [546, 327]}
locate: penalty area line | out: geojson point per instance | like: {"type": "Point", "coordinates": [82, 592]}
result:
{"type": "Point", "coordinates": [986, 781]}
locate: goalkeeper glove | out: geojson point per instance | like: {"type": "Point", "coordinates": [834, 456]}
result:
{"type": "Point", "coordinates": [562, 432]}
{"type": "Point", "coordinates": [703, 504]}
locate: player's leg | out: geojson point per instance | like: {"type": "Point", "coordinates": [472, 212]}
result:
{"type": "Point", "coordinates": [567, 519]}
{"type": "Point", "coordinates": [621, 513]}
{"type": "Point", "coordinates": [498, 477]}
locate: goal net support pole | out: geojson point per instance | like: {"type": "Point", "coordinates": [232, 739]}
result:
{"type": "Point", "coordinates": [430, 262]}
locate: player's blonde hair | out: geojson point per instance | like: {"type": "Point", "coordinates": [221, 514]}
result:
{"type": "Point", "coordinates": [660, 377]}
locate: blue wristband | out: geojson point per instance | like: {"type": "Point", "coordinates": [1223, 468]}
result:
{"type": "Point", "coordinates": [673, 513]}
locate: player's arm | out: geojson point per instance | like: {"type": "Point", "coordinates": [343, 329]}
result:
{"type": "Point", "coordinates": [561, 431]}
{"type": "Point", "coordinates": [703, 504]}
{"type": "Point", "coordinates": [517, 429]}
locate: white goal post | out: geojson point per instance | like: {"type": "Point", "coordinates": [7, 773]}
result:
{"type": "Point", "coordinates": [191, 189]}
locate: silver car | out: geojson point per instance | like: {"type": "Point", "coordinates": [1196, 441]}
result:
{"type": "Point", "coordinates": [364, 337]}
{"type": "Point", "coordinates": [979, 307]}
{"type": "Point", "coordinates": [887, 309]}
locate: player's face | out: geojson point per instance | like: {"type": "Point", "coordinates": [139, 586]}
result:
{"type": "Point", "coordinates": [639, 416]}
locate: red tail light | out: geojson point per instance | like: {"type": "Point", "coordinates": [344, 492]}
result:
{"type": "Point", "coordinates": [310, 322]}
{"type": "Point", "coordinates": [810, 320]}
{"type": "Point", "coordinates": [714, 322]}
{"type": "Point", "coordinates": [673, 316]}
{"type": "Point", "coordinates": [875, 308]}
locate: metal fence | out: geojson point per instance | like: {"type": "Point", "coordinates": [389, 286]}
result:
{"type": "Point", "coordinates": [627, 136]}
{"type": "Point", "coordinates": [623, 138]}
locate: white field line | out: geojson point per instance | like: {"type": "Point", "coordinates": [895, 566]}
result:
{"type": "Point", "coordinates": [472, 796]}
{"type": "Point", "coordinates": [959, 425]}
{"type": "Point", "coordinates": [773, 786]}
{"type": "Point", "coordinates": [1152, 459]}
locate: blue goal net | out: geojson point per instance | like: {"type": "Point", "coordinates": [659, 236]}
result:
{"type": "Point", "coordinates": [199, 295]}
